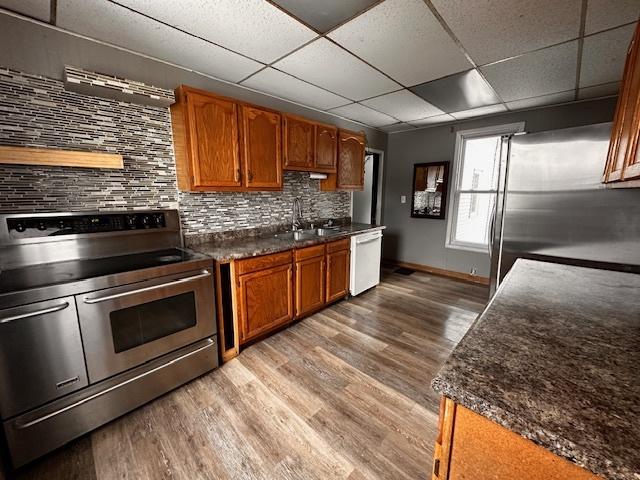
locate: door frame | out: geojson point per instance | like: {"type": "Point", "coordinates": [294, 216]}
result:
{"type": "Point", "coordinates": [380, 192]}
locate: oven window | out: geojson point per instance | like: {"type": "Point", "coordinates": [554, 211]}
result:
{"type": "Point", "coordinates": [146, 322]}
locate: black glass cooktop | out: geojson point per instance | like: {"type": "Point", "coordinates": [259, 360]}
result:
{"type": "Point", "coordinates": [71, 271]}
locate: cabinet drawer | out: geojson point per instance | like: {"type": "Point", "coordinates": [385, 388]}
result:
{"type": "Point", "coordinates": [309, 252]}
{"type": "Point", "coordinates": [339, 245]}
{"type": "Point", "coordinates": [263, 262]}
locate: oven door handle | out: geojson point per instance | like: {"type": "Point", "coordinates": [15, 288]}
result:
{"type": "Point", "coordinates": [44, 311]}
{"type": "Point", "coordinates": [91, 301]}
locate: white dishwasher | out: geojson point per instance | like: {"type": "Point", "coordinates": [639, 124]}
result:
{"type": "Point", "coordinates": [365, 261]}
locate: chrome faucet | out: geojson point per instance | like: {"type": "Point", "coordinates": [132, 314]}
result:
{"type": "Point", "coordinates": [297, 214]}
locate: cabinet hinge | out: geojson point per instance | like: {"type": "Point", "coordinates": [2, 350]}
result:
{"type": "Point", "coordinates": [436, 467]}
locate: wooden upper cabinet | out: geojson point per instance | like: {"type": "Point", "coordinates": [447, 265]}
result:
{"type": "Point", "coordinates": [350, 161]}
{"type": "Point", "coordinates": [623, 161]}
{"type": "Point", "coordinates": [298, 143]}
{"type": "Point", "coordinates": [326, 148]}
{"type": "Point", "coordinates": [261, 148]}
{"type": "Point", "coordinates": [205, 141]}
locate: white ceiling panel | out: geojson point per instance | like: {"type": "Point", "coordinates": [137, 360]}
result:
{"type": "Point", "coordinates": [542, 100]}
{"type": "Point", "coordinates": [492, 30]}
{"type": "Point", "coordinates": [596, 91]}
{"type": "Point", "coordinates": [433, 120]}
{"type": "Point", "coordinates": [327, 65]}
{"type": "Point", "coordinates": [115, 24]}
{"type": "Point", "coordinates": [403, 39]}
{"type": "Point", "coordinates": [365, 115]}
{"type": "Point", "coordinates": [39, 9]}
{"type": "Point", "coordinates": [285, 86]}
{"type": "Point", "coordinates": [603, 56]}
{"type": "Point", "coordinates": [603, 14]}
{"type": "Point", "coordinates": [546, 71]}
{"type": "Point", "coordinates": [252, 27]}
{"type": "Point", "coordinates": [403, 105]}
{"type": "Point", "coordinates": [397, 127]}
{"type": "Point", "coordinates": [480, 111]}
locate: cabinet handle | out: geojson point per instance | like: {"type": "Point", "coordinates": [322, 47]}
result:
{"type": "Point", "coordinates": [237, 175]}
{"type": "Point", "coordinates": [250, 176]}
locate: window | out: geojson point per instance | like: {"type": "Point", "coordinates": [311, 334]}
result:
{"type": "Point", "coordinates": [475, 186]}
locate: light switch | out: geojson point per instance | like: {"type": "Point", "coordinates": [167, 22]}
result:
{"type": "Point", "coordinates": [403, 199]}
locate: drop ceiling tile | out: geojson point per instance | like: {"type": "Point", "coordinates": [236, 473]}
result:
{"type": "Point", "coordinates": [492, 30]}
{"type": "Point", "coordinates": [403, 105]}
{"type": "Point", "coordinates": [433, 120]}
{"type": "Point", "coordinates": [39, 9]}
{"type": "Point", "coordinates": [327, 65]}
{"type": "Point", "coordinates": [285, 86]}
{"type": "Point", "coordinates": [397, 127]}
{"type": "Point", "coordinates": [461, 91]}
{"type": "Point", "coordinates": [552, 99]}
{"type": "Point", "coordinates": [365, 115]}
{"type": "Point", "coordinates": [254, 28]}
{"type": "Point", "coordinates": [403, 39]}
{"type": "Point", "coordinates": [603, 14]}
{"type": "Point", "coordinates": [546, 71]}
{"type": "Point", "coordinates": [603, 56]}
{"type": "Point", "coordinates": [117, 25]}
{"type": "Point", "coordinates": [597, 91]}
{"type": "Point", "coordinates": [324, 15]}
{"type": "Point", "coordinates": [478, 112]}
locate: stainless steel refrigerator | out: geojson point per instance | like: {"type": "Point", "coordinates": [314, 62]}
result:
{"type": "Point", "coordinates": [552, 206]}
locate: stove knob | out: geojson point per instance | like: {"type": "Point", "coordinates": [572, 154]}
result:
{"type": "Point", "coordinates": [20, 227]}
{"type": "Point", "coordinates": [146, 221]}
{"type": "Point", "coordinates": [61, 225]}
{"type": "Point", "coordinates": [42, 226]}
{"type": "Point", "coordinates": [131, 221]}
{"type": "Point", "coordinates": [158, 220]}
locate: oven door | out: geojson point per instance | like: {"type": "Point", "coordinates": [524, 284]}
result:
{"type": "Point", "coordinates": [123, 327]}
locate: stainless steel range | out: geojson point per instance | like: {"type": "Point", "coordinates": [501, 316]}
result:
{"type": "Point", "coordinates": [99, 313]}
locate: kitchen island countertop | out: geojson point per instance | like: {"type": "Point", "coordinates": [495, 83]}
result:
{"type": "Point", "coordinates": [237, 248]}
{"type": "Point", "coordinates": [555, 358]}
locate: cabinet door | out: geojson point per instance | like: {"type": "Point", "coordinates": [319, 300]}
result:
{"type": "Point", "coordinates": [350, 161]}
{"type": "Point", "coordinates": [622, 160]}
{"type": "Point", "coordinates": [310, 285]}
{"type": "Point", "coordinates": [326, 148]}
{"type": "Point", "coordinates": [337, 275]}
{"type": "Point", "coordinates": [265, 300]}
{"type": "Point", "coordinates": [213, 127]}
{"type": "Point", "coordinates": [261, 148]}
{"type": "Point", "coordinates": [298, 144]}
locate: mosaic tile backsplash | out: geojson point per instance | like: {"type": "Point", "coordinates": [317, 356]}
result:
{"type": "Point", "coordinates": [38, 112]}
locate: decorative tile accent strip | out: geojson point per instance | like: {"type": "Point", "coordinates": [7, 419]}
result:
{"type": "Point", "coordinates": [108, 86]}
{"type": "Point", "coordinates": [38, 112]}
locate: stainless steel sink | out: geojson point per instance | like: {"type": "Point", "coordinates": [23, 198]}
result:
{"type": "Point", "coordinates": [309, 233]}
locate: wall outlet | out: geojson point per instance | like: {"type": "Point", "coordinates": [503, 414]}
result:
{"type": "Point", "coordinates": [403, 199]}
{"type": "Point", "coordinates": [473, 271]}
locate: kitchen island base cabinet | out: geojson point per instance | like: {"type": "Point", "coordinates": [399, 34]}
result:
{"type": "Point", "coordinates": [472, 447]}
{"type": "Point", "coordinates": [264, 294]}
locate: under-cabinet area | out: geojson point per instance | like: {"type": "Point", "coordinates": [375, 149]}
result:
{"type": "Point", "coordinates": [258, 295]}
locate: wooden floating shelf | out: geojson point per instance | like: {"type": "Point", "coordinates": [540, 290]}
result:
{"type": "Point", "coordinates": [59, 158]}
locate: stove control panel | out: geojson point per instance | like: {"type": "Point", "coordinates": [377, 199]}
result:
{"type": "Point", "coordinates": [46, 226]}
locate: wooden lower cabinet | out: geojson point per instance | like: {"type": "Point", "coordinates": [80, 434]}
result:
{"type": "Point", "coordinates": [472, 447]}
{"type": "Point", "coordinates": [338, 257]}
{"type": "Point", "coordinates": [264, 297]}
{"type": "Point", "coordinates": [309, 280]}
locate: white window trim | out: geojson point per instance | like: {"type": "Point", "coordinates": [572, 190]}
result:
{"type": "Point", "coordinates": [456, 171]}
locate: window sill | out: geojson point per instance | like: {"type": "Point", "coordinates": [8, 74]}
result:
{"type": "Point", "coordinates": [468, 248]}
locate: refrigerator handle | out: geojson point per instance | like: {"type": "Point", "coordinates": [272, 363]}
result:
{"type": "Point", "coordinates": [492, 230]}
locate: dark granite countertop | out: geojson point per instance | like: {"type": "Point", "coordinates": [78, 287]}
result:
{"type": "Point", "coordinates": [223, 250]}
{"type": "Point", "coordinates": [555, 357]}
